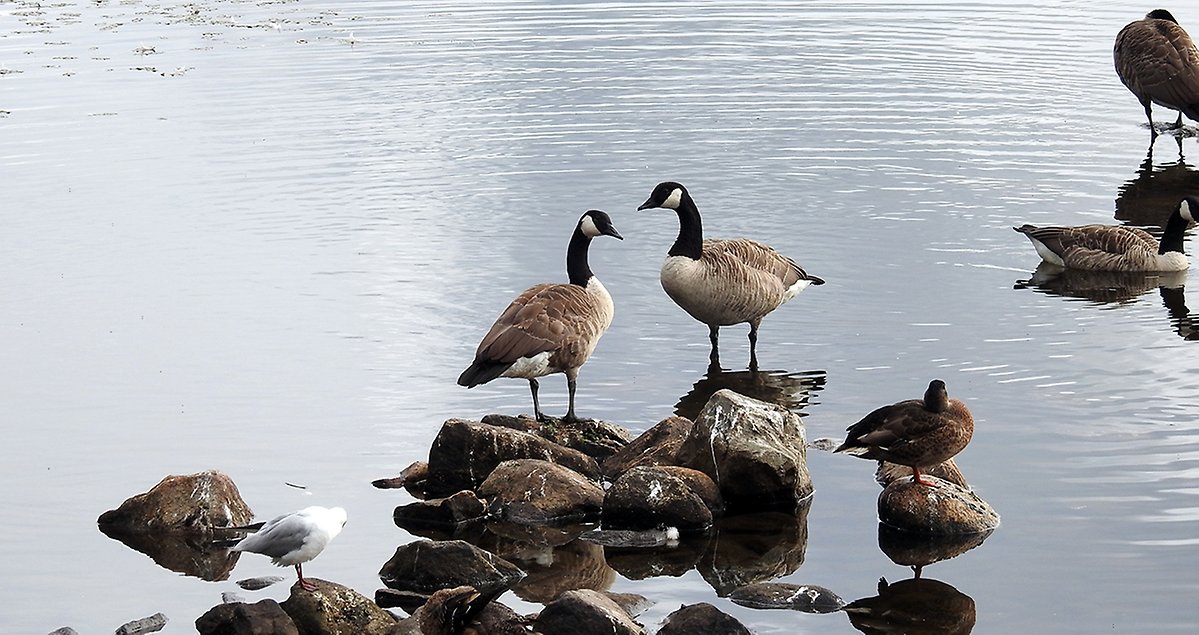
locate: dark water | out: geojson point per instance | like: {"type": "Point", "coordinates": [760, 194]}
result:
{"type": "Point", "coordinates": [265, 238]}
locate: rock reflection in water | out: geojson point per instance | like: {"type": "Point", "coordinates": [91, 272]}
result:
{"type": "Point", "coordinates": [913, 607]}
{"type": "Point", "coordinates": [755, 548]}
{"type": "Point", "coordinates": [792, 390]}
{"type": "Point", "coordinates": [190, 554]}
{"type": "Point", "coordinates": [919, 550]}
{"type": "Point", "coordinates": [1153, 194]}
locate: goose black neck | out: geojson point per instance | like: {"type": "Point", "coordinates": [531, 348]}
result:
{"type": "Point", "coordinates": [1174, 233]}
{"type": "Point", "coordinates": [577, 268]}
{"type": "Point", "coordinates": [690, 242]}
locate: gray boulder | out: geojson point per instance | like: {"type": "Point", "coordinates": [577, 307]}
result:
{"type": "Point", "coordinates": [701, 618]}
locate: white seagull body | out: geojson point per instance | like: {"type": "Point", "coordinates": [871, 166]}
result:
{"type": "Point", "coordinates": [296, 538]}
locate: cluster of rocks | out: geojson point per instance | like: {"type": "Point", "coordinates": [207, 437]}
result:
{"type": "Point", "coordinates": [502, 505]}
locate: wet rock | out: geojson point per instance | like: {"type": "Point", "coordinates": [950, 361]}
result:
{"type": "Point", "coordinates": [411, 478]}
{"type": "Point", "coordinates": [699, 483]}
{"type": "Point", "coordinates": [919, 606]}
{"type": "Point", "coordinates": [754, 451]}
{"type": "Point", "coordinates": [553, 570]}
{"type": "Point", "coordinates": [640, 563]}
{"type": "Point", "coordinates": [425, 566]}
{"type": "Point", "coordinates": [888, 473]}
{"type": "Point", "coordinates": [657, 446]}
{"type": "Point", "coordinates": [796, 597]}
{"type": "Point", "coordinates": [585, 612]}
{"type": "Point", "coordinates": [465, 452]}
{"type": "Point", "coordinates": [333, 609]}
{"type": "Point", "coordinates": [261, 582]}
{"type": "Point", "coordinates": [66, 630]}
{"type": "Point", "coordinates": [195, 503]}
{"type": "Point", "coordinates": [261, 618]}
{"type": "Point", "coordinates": [151, 624]}
{"type": "Point", "coordinates": [462, 609]}
{"type": "Point", "coordinates": [942, 509]}
{"type": "Point", "coordinates": [229, 597]}
{"type": "Point", "coordinates": [597, 439]}
{"type": "Point", "coordinates": [631, 603]}
{"type": "Point", "coordinates": [651, 498]}
{"type": "Point", "coordinates": [755, 548]}
{"type": "Point", "coordinates": [701, 618]}
{"type": "Point", "coordinates": [445, 513]}
{"type": "Point", "coordinates": [539, 492]}
{"type": "Point", "coordinates": [918, 550]}
{"type": "Point", "coordinates": [633, 539]}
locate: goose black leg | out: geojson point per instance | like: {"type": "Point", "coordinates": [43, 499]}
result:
{"type": "Point", "coordinates": [570, 411]}
{"type": "Point", "coordinates": [533, 386]}
{"type": "Point", "coordinates": [753, 345]}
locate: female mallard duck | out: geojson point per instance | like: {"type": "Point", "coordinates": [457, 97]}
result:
{"type": "Point", "coordinates": [550, 328]}
{"type": "Point", "coordinates": [723, 282]}
{"type": "Point", "coordinates": [918, 433]}
{"type": "Point", "coordinates": [1113, 247]}
{"type": "Point", "coordinates": [1158, 62]}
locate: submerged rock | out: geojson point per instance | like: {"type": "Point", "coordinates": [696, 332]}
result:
{"type": "Point", "coordinates": [585, 612]}
{"type": "Point", "coordinates": [807, 598]}
{"type": "Point", "coordinates": [425, 566]}
{"type": "Point", "coordinates": [653, 498]}
{"type": "Point", "coordinates": [333, 609]}
{"type": "Point", "coordinates": [194, 503]}
{"type": "Point", "coordinates": [442, 513]}
{"type": "Point", "coordinates": [465, 452]}
{"type": "Point", "coordinates": [412, 478]}
{"type": "Point", "coordinates": [657, 446]}
{"type": "Point", "coordinates": [943, 508]}
{"type": "Point", "coordinates": [539, 492]}
{"type": "Point", "coordinates": [701, 618]}
{"type": "Point", "coordinates": [265, 617]}
{"type": "Point", "coordinates": [754, 451]}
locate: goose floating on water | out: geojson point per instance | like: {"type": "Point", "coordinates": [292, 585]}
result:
{"type": "Point", "coordinates": [918, 433]}
{"type": "Point", "coordinates": [550, 328]}
{"type": "Point", "coordinates": [1158, 62]}
{"type": "Point", "coordinates": [723, 282]}
{"type": "Point", "coordinates": [1113, 247]}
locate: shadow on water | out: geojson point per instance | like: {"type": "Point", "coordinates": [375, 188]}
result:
{"type": "Point", "coordinates": [1153, 194]}
{"type": "Point", "coordinates": [914, 607]}
{"type": "Point", "coordinates": [792, 390]}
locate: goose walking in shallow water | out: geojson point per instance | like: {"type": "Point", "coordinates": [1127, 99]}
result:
{"type": "Point", "coordinates": [1113, 247]}
{"type": "Point", "coordinates": [918, 433]}
{"type": "Point", "coordinates": [1158, 62]}
{"type": "Point", "coordinates": [723, 282]}
{"type": "Point", "coordinates": [550, 328]}
{"type": "Point", "coordinates": [295, 538]}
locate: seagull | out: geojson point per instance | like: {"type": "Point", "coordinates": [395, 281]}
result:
{"type": "Point", "coordinates": [296, 538]}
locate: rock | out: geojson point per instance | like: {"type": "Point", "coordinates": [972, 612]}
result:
{"type": "Point", "coordinates": [191, 554]}
{"type": "Point", "coordinates": [701, 618]}
{"type": "Point", "coordinates": [444, 513]}
{"type": "Point", "coordinates": [425, 566]}
{"type": "Point", "coordinates": [657, 446]}
{"type": "Point", "coordinates": [151, 624]}
{"type": "Point", "coordinates": [796, 597]}
{"type": "Point", "coordinates": [333, 609]}
{"type": "Point", "coordinates": [462, 609]}
{"type": "Point", "coordinates": [888, 473]}
{"type": "Point", "coordinates": [754, 548]}
{"type": "Point", "coordinates": [261, 582]}
{"type": "Point", "coordinates": [754, 451]}
{"type": "Point", "coordinates": [265, 617]}
{"type": "Point", "coordinates": [919, 606]}
{"type": "Point", "coordinates": [653, 498]}
{"type": "Point", "coordinates": [633, 539]}
{"type": "Point", "coordinates": [66, 630]}
{"type": "Point", "coordinates": [700, 484]}
{"type": "Point", "coordinates": [585, 612]}
{"type": "Point", "coordinates": [919, 550]}
{"type": "Point", "coordinates": [941, 509]}
{"type": "Point", "coordinates": [229, 597]}
{"type": "Point", "coordinates": [631, 603]}
{"type": "Point", "coordinates": [465, 452]}
{"type": "Point", "coordinates": [195, 503]}
{"type": "Point", "coordinates": [541, 493]}
{"type": "Point", "coordinates": [596, 439]}
{"type": "Point", "coordinates": [412, 477]}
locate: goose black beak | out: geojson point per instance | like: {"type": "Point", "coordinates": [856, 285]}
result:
{"type": "Point", "coordinates": [649, 203]}
{"type": "Point", "coordinates": [611, 231]}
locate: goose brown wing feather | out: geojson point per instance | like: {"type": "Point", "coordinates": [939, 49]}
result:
{"type": "Point", "coordinates": [1107, 239]}
{"type": "Point", "coordinates": [539, 320]}
{"type": "Point", "coordinates": [1158, 62]}
{"type": "Point", "coordinates": [756, 259]}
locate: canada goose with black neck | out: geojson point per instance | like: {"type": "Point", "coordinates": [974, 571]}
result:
{"type": "Point", "coordinates": [1114, 247]}
{"type": "Point", "coordinates": [550, 328]}
{"type": "Point", "coordinates": [1158, 62]}
{"type": "Point", "coordinates": [723, 282]}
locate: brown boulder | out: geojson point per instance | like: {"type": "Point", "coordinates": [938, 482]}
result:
{"type": "Point", "coordinates": [194, 503]}
{"type": "Point", "coordinates": [701, 618]}
{"type": "Point", "coordinates": [333, 609]}
{"type": "Point", "coordinates": [261, 618]}
{"type": "Point", "coordinates": [426, 566]}
{"type": "Point", "coordinates": [657, 446]}
{"type": "Point", "coordinates": [441, 513]}
{"type": "Point", "coordinates": [585, 612]}
{"type": "Point", "coordinates": [943, 508]}
{"type": "Point", "coordinates": [597, 439]}
{"type": "Point", "coordinates": [652, 497]}
{"type": "Point", "coordinates": [539, 492]}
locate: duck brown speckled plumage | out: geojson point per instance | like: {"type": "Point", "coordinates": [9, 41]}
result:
{"type": "Point", "coordinates": [723, 282]}
{"type": "Point", "coordinates": [1158, 62]}
{"type": "Point", "coordinates": [918, 433]}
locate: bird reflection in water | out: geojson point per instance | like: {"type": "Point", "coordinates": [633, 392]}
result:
{"type": "Point", "coordinates": [914, 607]}
{"type": "Point", "coordinates": [1153, 193]}
{"type": "Point", "coordinates": [791, 390]}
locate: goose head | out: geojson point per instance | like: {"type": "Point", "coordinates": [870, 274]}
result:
{"type": "Point", "coordinates": [668, 195]}
{"type": "Point", "coordinates": [1160, 14]}
{"type": "Point", "coordinates": [1188, 209]}
{"type": "Point", "coordinates": [596, 223]}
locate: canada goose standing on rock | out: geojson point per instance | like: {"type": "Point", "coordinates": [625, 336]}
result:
{"type": "Point", "coordinates": [918, 433]}
{"type": "Point", "coordinates": [550, 328]}
{"type": "Point", "coordinates": [1158, 62]}
{"type": "Point", "coordinates": [1114, 247]}
{"type": "Point", "coordinates": [723, 282]}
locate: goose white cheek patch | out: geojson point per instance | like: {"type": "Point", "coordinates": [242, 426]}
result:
{"type": "Point", "coordinates": [588, 227]}
{"type": "Point", "coordinates": [672, 201]}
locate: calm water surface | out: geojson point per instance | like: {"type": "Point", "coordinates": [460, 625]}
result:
{"type": "Point", "coordinates": [265, 237]}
